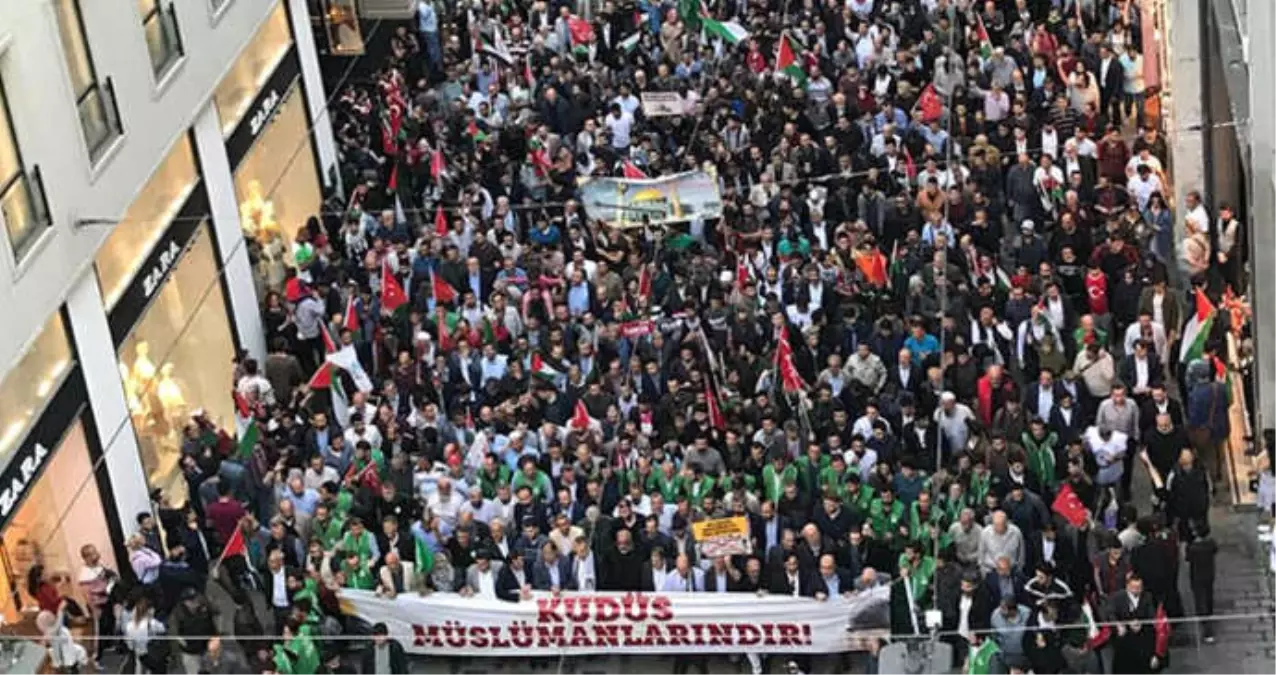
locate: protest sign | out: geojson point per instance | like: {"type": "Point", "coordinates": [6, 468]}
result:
{"type": "Point", "coordinates": [723, 536]}
{"type": "Point", "coordinates": [621, 623]}
{"type": "Point", "coordinates": [661, 103]}
{"type": "Point", "coordinates": [683, 197]}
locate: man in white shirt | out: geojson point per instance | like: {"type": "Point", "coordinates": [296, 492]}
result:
{"type": "Point", "coordinates": [584, 567]}
{"type": "Point", "coordinates": [445, 502]}
{"type": "Point", "coordinates": [480, 579]}
{"type": "Point", "coordinates": [619, 123]}
{"type": "Point", "coordinates": [685, 578]}
{"type": "Point", "coordinates": [280, 604]}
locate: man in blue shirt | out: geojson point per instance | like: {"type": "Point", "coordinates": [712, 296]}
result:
{"type": "Point", "coordinates": [427, 25]}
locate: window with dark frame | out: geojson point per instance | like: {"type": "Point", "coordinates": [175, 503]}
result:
{"type": "Point", "coordinates": [94, 99]}
{"type": "Point", "coordinates": [163, 39]}
{"type": "Point", "coordinates": [22, 201]}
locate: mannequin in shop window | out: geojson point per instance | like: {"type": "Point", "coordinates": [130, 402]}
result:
{"type": "Point", "coordinates": [257, 218]}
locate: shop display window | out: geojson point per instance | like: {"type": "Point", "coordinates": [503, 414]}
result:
{"type": "Point", "coordinates": [255, 65]}
{"type": "Point", "coordinates": [176, 362]}
{"type": "Point", "coordinates": [278, 190]}
{"type": "Point", "coordinates": [29, 384]}
{"type": "Point", "coordinates": [146, 220]}
{"type": "Point", "coordinates": [61, 514]}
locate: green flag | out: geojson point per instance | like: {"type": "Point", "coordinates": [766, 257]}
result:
{"type": "Point", "coordinates": [689, 12]}
{"type": "Point", "coordinates": [424, 557]}
{"type": "Point", "coordinates": [980, 660]}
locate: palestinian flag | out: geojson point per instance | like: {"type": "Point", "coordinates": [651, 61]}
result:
{"type": "Point", "coordinates": [1198, 328]}
{"type": "Point", "coordinates": [328, 345]}
{"type": "Point", "coordinates": [488, 332]}
{"type": "Point", "coordinates": [495, 48]}
{"type": "Point", "coordinates": [729, 32]}
{"type": "Point", "coordinates": [392, 295]}
{"type": "Point", "coordinates": [985, 44]}
{"type": "Point", "coordinates": [627, 45]}
{"type": "Point", "coordinates": [895, 267]}
{"type": "Point", "coordinates": [444, 331]}
{"type": "Point", "coordinates": [690, 11]}
{"type": "Point", "coordinates": [980, 660]}
{"type": "Point", "coordinates": [538, 156]}
{"type": "Point", "coordinates": [543, 370]}
{"type": "Point", "coordinates": [246, 429]}
{"type": "Point", "coordinates": [631, 171]}
{"type": "Point", "coordinates": [786, 61]}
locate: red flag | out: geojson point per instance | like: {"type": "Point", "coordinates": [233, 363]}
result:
{"type": "Point", "coordinates": [715, 413]}
{"type": "Point", "coordinates": [631, 171]}
{"type": "Point", "coordinates": [329, 347]}
{"type": "Point", "coordinates": [1162, 630]}
{"type": "Point", "coordinates": [369, 477]}
{"type": "Point", "coordinates": [437, 167]}
{"type": "Point", "coordinates": [741, 274]}
{"type": "Point", "coordinates": [351, 321]}
{"type": "Point", "coordinates": [392, 295]}
{"type": "Point", "coordinates": [322, 379]}
{"type": "Point", "coordinates": [393, 183]}
{"type": "Point", "coordinates": [580, 417]}
{"type": "Point", "coordinates": [910, 167]}
{"type": "Point", "coordinates": [242, 407]}
{"type": "Point", "coordinates": [644, 282]}
{"type": "Point", "coordinates": [443, 291]}
{"type": "Point", "coordinates": [235, 546]}
{"type": "Point", "coordinates": [441, 228]}
{"type": "Point", "coordinates": [790, 379]}
{"type": "Point", "coordinates": [582, 31]}
{"type": "Point", "coordinates": [528, 74]}
{"type": "Point", "coordinates": [1068, 505]}
{"type": "Point", "coordinates": [540, 161]}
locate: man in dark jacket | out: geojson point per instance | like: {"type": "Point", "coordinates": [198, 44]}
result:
{"type": "Point", "coordinates": [384, 655]}
{"type": "Point", "coordinates": [193, 622]}
{"type": "Point", "coordinates": [622, 570]}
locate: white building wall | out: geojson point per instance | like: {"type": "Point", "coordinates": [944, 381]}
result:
{"type": "Point", "coordinates": [153, 114]}
{"type": "Point", "coordinates": [224, 205]}
{"type": "Point", "coordinates": [106, 397]}
{"type": "Point", "coordinates": [316, 96]}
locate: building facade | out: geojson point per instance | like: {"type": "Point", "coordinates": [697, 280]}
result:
{"type": "Point", "coordinates": [157, 159]}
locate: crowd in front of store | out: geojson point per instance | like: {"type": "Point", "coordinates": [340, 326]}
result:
{"type": "Point", "coordinates": [949, 320]}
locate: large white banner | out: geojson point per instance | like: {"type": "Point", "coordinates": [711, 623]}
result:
{"type": "Point", "coordinates": [633, 623]}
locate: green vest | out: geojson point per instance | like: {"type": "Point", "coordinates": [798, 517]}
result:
{"type": "Point", "coordinates": [883, 521]}
{"type": "Point", "coordinates": [773, 485]}
{"type": "Point", "coordinates": [488, 482]}
{"type": "Point", "coordinates": [1041, 457]}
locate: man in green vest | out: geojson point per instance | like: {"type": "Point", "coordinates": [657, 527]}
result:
{"type": "Point", "coordinates": [531, 476]}
{"type": "Point", "coordinates": [326, 527]}
{"type": "Point", "coordinates": [886, 515]}
{"type": "Point", "coordinates": [493, 474]}
{"type": "Point", "coordinates": [776, 474]}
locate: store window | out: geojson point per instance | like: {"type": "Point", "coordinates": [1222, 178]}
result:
{"type": "Point", "coordinates": [61, 514]}
{"type": "Point", "coordinates": [163, 39]}
{"type": "Point", "coordinates": [278, 189]}
{"type": "Point", "coordinates": [146, 220]}
{"type": "Point", "coordinates": [28, 385]}
{"type": "Point", "coordinates": [177, 361]}
{"type": "Point", "coordinates": [255, 65]}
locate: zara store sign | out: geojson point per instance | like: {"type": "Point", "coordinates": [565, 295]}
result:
{"type": "Point", "coordinates": [17, 486]}
{"type": "Point", "coordinates": [35, 454]}
{"type": "Point", "coordinates": [266, 104]}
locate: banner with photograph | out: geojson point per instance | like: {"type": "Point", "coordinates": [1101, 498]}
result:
{"type": "Point", "coordinates": [624, 623]}
{"type": "Point", "coordinates": [722, 536]}
{"type": "Point", "coordinates": [622, 202]}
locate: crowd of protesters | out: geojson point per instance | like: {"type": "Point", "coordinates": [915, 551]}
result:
{"type": "Point", "coordinates": [949, 285]}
